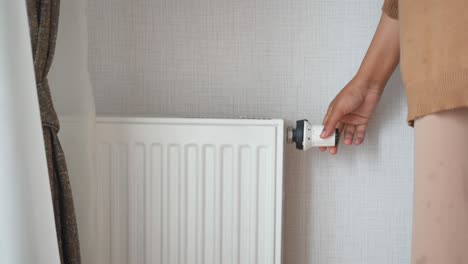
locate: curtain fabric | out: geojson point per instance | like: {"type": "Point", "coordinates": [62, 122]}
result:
{"type": "Point", "coordinates": [43, 22]}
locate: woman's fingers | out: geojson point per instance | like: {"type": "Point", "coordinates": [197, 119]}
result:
{"type": "Point", "coordinates": [349, 134]}
{"type": "Point", "coordinates": [332, 118]}
{"type": "Point", "coordinates": [355, 119]}
{"type": "Point", "coordinates": [329, 111]}
{"type": "Point", "coordinates": [360, 134]}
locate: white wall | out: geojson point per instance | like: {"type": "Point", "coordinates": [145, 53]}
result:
{"type": "Point", "coordinates": [269, 58]}
{"type": "Point", "coordinates": [27, 226]}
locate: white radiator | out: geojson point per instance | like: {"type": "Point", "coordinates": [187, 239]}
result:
{"type": "Point", "coordinates": [189, 191]}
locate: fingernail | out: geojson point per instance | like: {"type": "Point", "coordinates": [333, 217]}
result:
{"type": "Point", "coordinates": [323, 133]}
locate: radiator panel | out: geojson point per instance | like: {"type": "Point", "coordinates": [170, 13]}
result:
{"type": "Point", "coordinates": [201, 191]}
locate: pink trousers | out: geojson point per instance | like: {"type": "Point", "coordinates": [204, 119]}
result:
{"type": "Point", "coordinates": [440, 216]}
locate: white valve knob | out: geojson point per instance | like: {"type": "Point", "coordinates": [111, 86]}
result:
{"type": "Point", "coordinates": [307, 136]}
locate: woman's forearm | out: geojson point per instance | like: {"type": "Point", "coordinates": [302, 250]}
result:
{"type": "Point", "coordinates": [383, 54]}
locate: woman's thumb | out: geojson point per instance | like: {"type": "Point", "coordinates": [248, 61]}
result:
{"type": "Point", "coordinates": [330, 122]}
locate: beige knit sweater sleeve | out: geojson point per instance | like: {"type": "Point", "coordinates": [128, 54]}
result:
{"type": "Point", "coordinates": [390, 8]}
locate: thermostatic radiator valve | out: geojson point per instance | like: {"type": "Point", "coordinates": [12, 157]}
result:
{"type": "Point", "coordinates": [307, 136]}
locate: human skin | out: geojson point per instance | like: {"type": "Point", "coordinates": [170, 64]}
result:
{"type": "Point", "coordinates": [353, 107]}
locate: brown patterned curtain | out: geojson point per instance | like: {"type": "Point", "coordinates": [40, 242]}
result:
{"type": "Point", "coordinates": [43, 23]}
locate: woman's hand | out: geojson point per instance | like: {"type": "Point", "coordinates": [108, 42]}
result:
{"type": "Point", "coordinates": [351, 111]}
{"type": "Point", "coordinates": [353, 107]}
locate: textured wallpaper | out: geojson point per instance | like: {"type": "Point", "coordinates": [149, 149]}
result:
{"type": "Point", "coordinates": [270, 58]}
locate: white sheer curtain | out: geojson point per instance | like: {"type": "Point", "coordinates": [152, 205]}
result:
{"type": "Point", "coordinates": [74, 102]}
{"type": "Point", "coordinates": [27, 228]}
